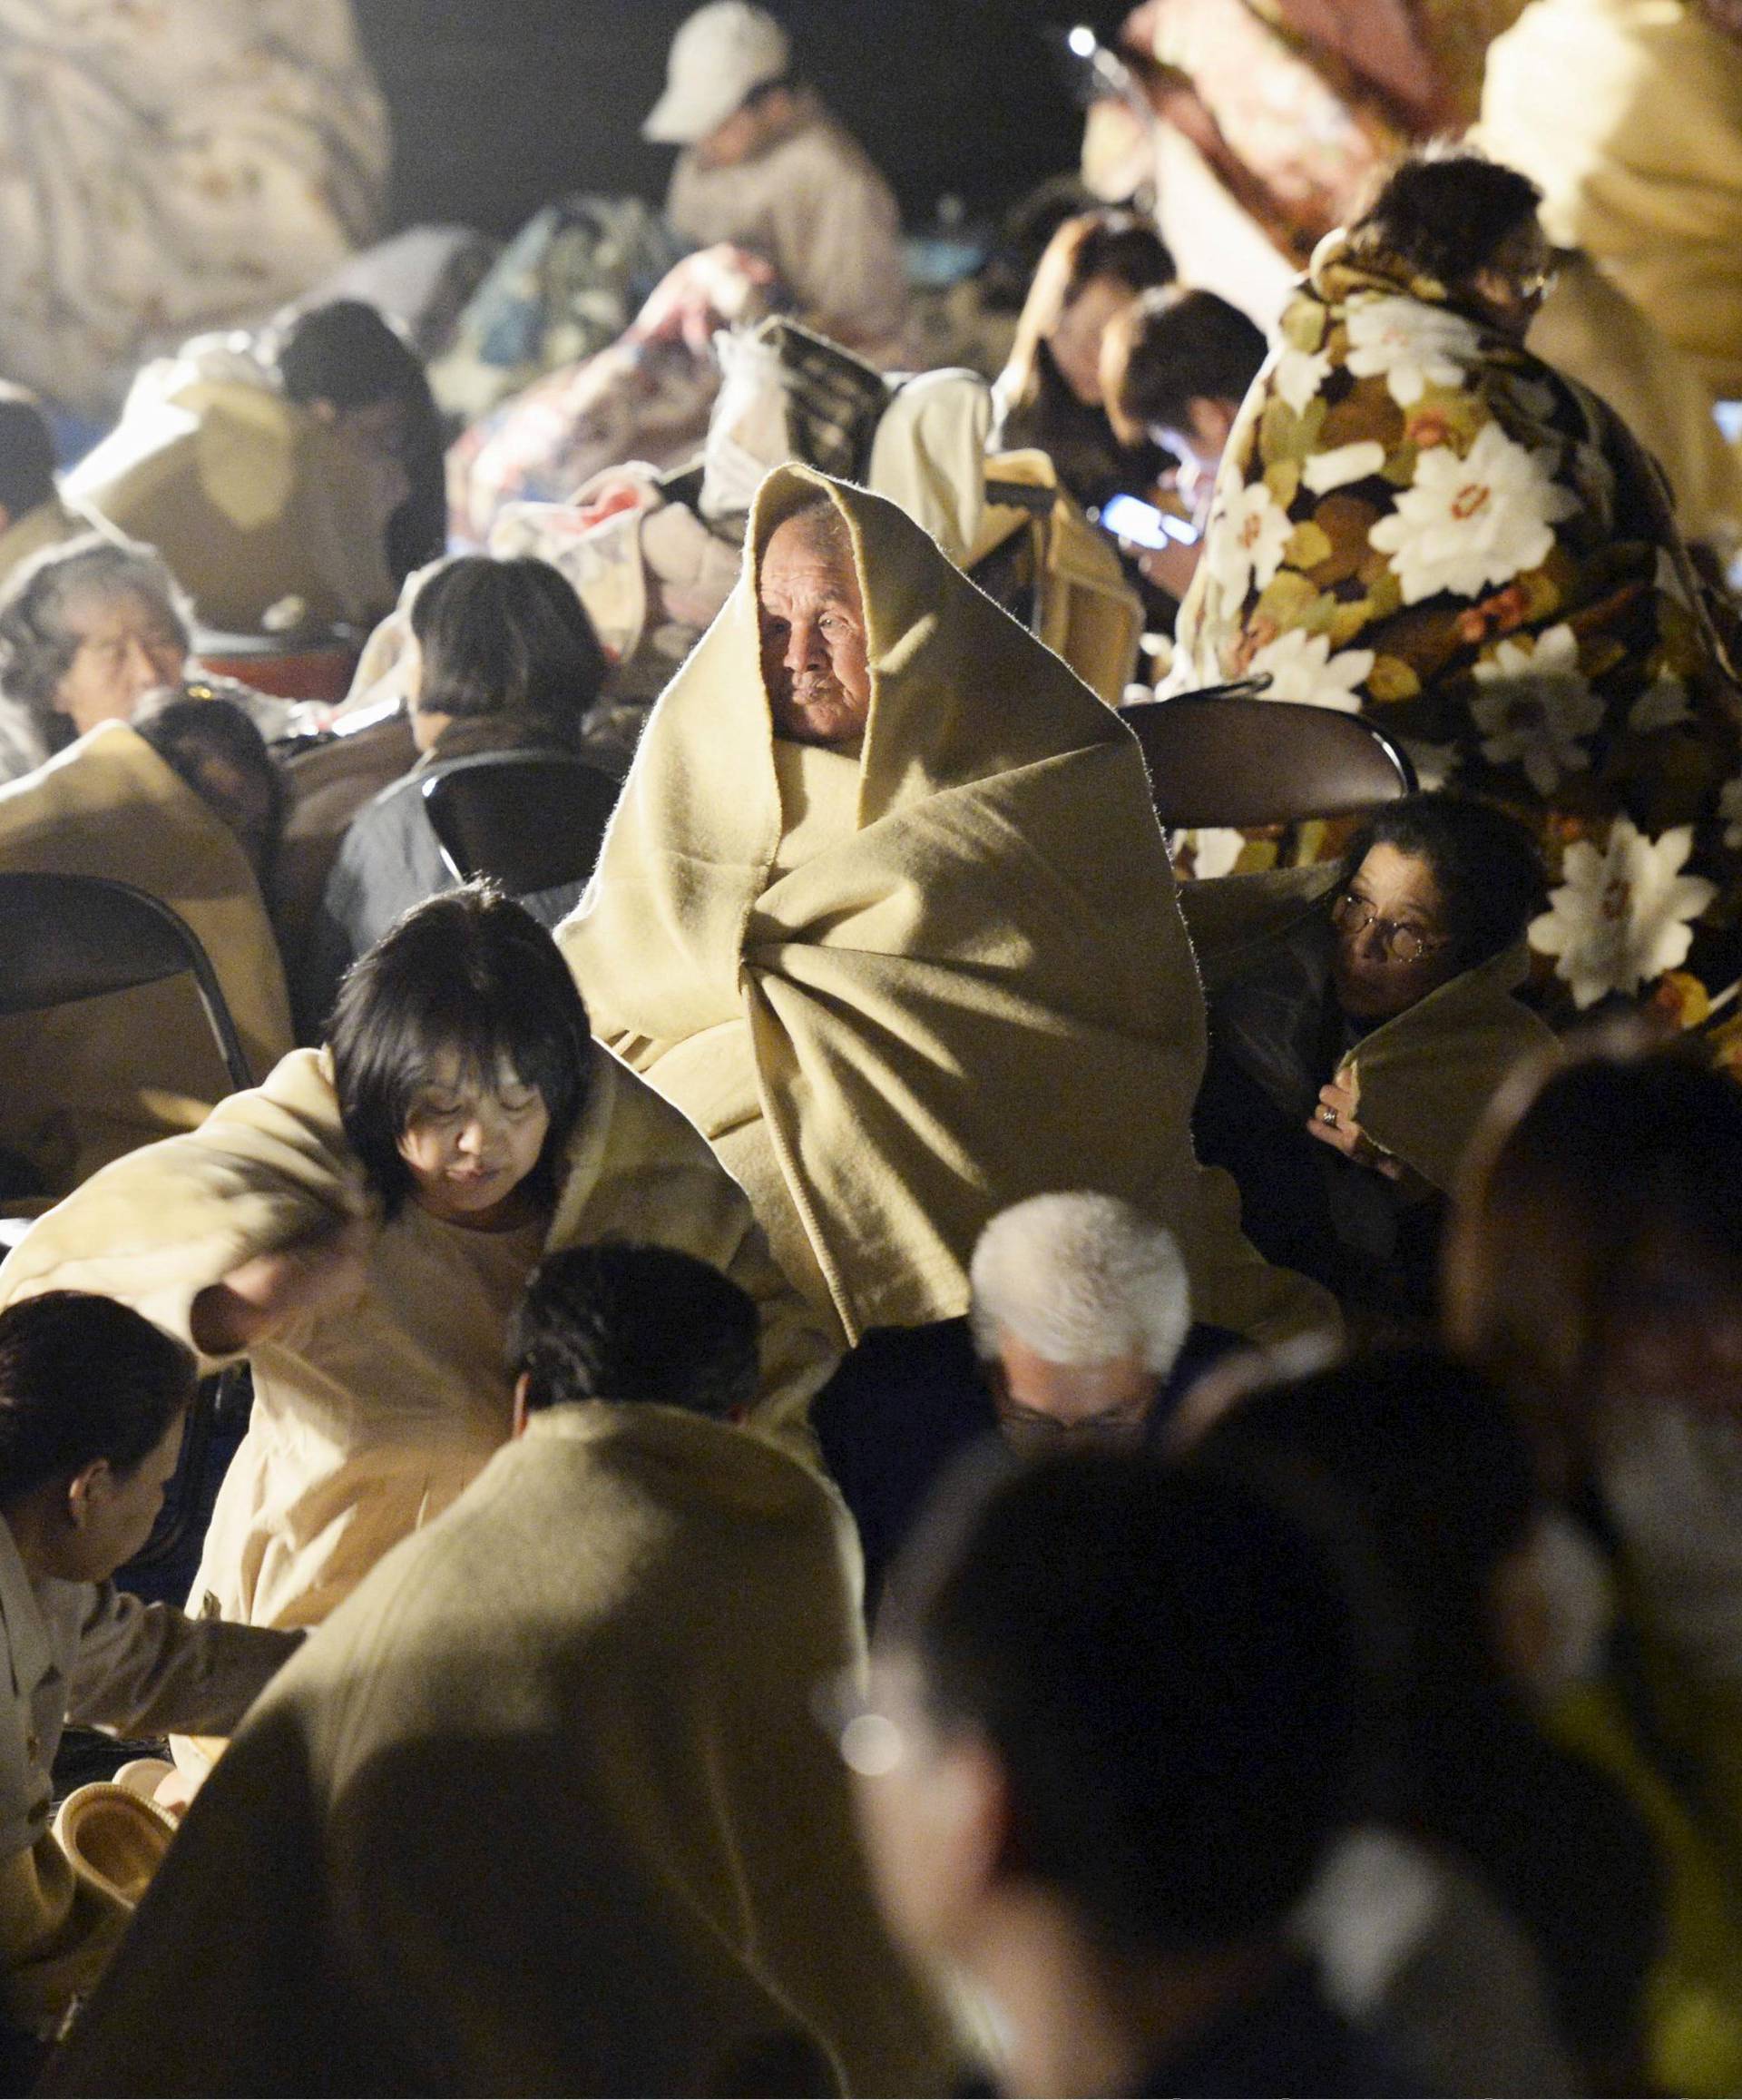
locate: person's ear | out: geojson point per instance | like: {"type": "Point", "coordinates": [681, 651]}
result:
{"type": "Point", "coordinates": [523, 1386]}
{"type": "Point", "coordinates": [87, 1491]}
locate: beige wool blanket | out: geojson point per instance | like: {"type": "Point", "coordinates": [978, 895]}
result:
{"type": "Point", "coordinates": [980, 988]}
{"type": "Point", "coordinates": [545, 1808]}
{"type": "Point", "coordinates": [88, 1082]}
{"type": "Point", "coordinates": [370, 1419]}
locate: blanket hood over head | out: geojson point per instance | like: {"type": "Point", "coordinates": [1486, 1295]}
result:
{"type": "Point", "coordinates": [979, 991]}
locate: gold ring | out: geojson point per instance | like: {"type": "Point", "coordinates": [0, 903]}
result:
{"type": "Point", "coordinates": [1329, 1116]}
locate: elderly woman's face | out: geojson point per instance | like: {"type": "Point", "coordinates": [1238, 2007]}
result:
{"type": "Point", "coordinates": [1394, 938]}
{"type": "Point", "coordinates": [815, 659]}
{"type": "Point", "coordinates": [128, 644]}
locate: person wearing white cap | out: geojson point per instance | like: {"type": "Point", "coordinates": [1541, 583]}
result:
{"type": "Point", "coordinates": [765, 166]}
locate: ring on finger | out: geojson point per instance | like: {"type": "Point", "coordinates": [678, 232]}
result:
{"type": "Point", "coordinates": [1328, 1115]}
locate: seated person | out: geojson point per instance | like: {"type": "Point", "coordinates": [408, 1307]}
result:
{"type": "Point", "coordinates": [276, 480]}
{"type": "Point", "coordinates": [767, 167]}
{"type": "Point", "coordinates": [1117, 1718]}
{"type": "Point", "coordinates": [1362, 1017]}
{"type": "Point", "coordinates": [93, 1400]}
{"type": "Point", "coordinates": [1051, 395]}
{"type": "Point", "coordinates": [1079, 1331]}
{"type": "Point", "coordinates": [33, 515]}
{"type": "Point", "coordinates": [87, 628]}
{"type": "Point", "coordinates": [358, 1228]}
{"type": "Point", "coordinates": [595, 1676]}
{"type": "Point", "coordinates": [850, 919]}
{"type": "Point", "coordinates": [214, 747]}
{"type": "Point", "coordinates": [503, 659]}
{"type": "Point", "coordinates": [1594, 1268]}
{"type": "Point", "coordinates": [1179, 365]}
{"type": "Point", "coordinates": [1424, 1464]}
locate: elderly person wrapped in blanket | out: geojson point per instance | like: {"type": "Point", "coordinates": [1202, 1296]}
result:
{"type": "Point", "coordinates": [1416, 518]}
{"type": "Point", "coordinates": [885, 911]}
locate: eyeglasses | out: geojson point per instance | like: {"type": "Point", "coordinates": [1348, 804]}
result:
{"type": "Point", "coordinates": [1352, 916]}
{"type": "Point", "coordinates": [1032, 1431]}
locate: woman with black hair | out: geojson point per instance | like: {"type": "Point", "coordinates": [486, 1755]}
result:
{"type": "Point", "coordinates": [1361, 1017]}
{"type": "Point", "coordinates": [92, 1399]}
{"type": "Point", "coordinates": [503, 659]}
{"type": "Point", "coordinates": [360, 1227]}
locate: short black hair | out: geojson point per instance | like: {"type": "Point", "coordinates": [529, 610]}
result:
{"type": "Point", "coordinates": [1178, 344]}
{"type": "Point", "coordinates": [1430, 1464]}
{"type": "Point", "coordinates": [618, 1321]}
{"type": "Point", "coordinates": [1446, 211]}
{"type": "Point", "coordinates": [1168, 1669]}
{"type": "Point", "coordinates": [1484, 863]}
{"type": "Point", "coordinates": [191, 725]}
{"type": "Point", "coordinates": [349, 353]}
{"type": "Point", "coordinates": [26, 453]}
{"type": "Point", "coordinates": [500, 636]}
{"type": "Point", "coordinates": [471, 974]}
{"type": "Point", "coordinates": [82, 1378]}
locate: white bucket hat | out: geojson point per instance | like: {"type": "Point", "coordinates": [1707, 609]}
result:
{"type": "Point", "coordinates": [719, 58]}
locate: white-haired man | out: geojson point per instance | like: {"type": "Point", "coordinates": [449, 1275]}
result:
{"type": "Point", "coordinates": [764, 165]}
{"type": "Point", "coordinates": [1079, 1333]}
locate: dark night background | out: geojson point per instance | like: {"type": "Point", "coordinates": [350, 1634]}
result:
{"type": "Point", "coordinates": [500, 106]}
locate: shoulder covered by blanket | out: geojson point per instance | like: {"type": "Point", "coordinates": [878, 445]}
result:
{"type": "Point", "coordinates": [273, 1167]}
{"type": "Point", "coordinates": [980, 991]}
{"type": "Point", "coordinates": [667, 1868]}
{"type": "Point", "coordinates": [1424, 1078]}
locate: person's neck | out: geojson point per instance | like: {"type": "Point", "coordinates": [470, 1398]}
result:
{"type": "Point", "coordinates": [1085, 2019]}
{"type": "Point", "coordinates": [30, 1521]}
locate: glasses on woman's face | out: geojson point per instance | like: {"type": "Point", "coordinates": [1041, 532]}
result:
{"type": "Point", "coordinates": [1352, 916]}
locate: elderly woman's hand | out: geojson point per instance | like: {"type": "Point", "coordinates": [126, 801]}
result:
{"type": "Point", "coordinates": [1333, 1122]}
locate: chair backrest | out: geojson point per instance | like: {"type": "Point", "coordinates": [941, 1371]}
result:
{"type": "Point", "coordinates": [1227, 758]}
{"type": "Point", "coordinates": [531, 820]}
{"type": "Point", "coordinates": [65, 937]}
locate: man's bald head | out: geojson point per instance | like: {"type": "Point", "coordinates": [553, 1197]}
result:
{"type": "Point", "coordinates": [815, 657]}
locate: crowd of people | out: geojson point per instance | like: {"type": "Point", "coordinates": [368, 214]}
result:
{"type": "Point", "coordinates": [894, 1433]}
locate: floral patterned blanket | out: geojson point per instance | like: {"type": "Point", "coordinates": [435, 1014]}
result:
{"type": "Point", "coordinates": [1418, 519]}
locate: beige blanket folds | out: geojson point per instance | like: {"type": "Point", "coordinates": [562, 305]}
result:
{"type": "Point", "coordinates": [369, 1421]}
{"type": "Point", "coordinates": [88, 1082]}
{"type": "Point", "coordinates": [980, 990]}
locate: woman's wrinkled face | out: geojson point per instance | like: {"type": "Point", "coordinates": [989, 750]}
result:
{"type": "Point", "coordinates": [1394, 943]}
{"type": "Point", "coordinates": [1080, 333]}
{"type": "Point", "coordinates": [470, 1144]}
{"type": "Point", "coordinates": [128, 644]}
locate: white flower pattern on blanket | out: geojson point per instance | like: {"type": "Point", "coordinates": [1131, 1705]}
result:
{"type": "Point", "coordinates": [1624, 916]}
{"type": "Point", "coordinates": [1465, 523]}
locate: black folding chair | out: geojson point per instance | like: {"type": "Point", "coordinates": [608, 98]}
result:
{"type": "Point", "coordinates": [1227, 758]}
{"type": "Point", "coordinates": [66, 938]}
{"type": "Point", "coordinates": [531, 820]}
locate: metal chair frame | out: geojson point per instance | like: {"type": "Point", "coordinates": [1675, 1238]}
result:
{"type": "Point", "coordinates": [68, 938]}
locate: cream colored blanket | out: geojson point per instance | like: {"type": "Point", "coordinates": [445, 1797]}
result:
{"type": "Point", "coordinates": [87, 1082]}
{"type": "Point", "coordinates": [980, 990]}
{"type": "Point", "coordinates": [370, 1420]}
{"type": "Point", "coordinates": [544, 1809]}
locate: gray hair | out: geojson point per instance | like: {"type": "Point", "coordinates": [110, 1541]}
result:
{"type": "Point", "coordinates": [1081, 1279]}
{"type": "Point", "coordinates": [36, 646]}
